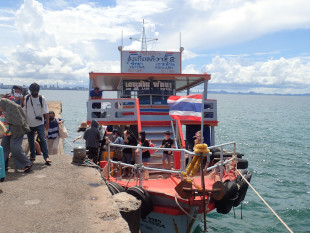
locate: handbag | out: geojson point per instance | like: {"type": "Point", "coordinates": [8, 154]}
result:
{"type": "Point", "coordinates": [63, 133]}
{"type": "Point", "coordinates": [3, 129]}
{"type": "Point", "coordinates": [118, 154]}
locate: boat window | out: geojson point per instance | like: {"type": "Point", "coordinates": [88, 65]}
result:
{"type": "Point", "coordinates": [148, 91]}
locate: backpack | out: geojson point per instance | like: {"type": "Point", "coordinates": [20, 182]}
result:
{"type": "Point", "coordinates": [40, 99]}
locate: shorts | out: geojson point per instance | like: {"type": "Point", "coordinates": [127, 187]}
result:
{"type": "Point", "coordinates": [168, 157]}
{"type": "Point", "coordinates": [146, 160]}
{"type": "Point", "coordinates": [127, 158]}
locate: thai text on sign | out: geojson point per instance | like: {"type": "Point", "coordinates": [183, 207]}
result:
{"type": "Point", "coordinates": [151, 62]}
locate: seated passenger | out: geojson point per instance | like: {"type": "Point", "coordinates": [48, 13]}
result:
{"type": "Point", "coordinates": [96, 93]}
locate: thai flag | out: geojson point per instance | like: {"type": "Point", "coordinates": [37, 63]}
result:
{"type": "Point", "coordinates": [185, 107]}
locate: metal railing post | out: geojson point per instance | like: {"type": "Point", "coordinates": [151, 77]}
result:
{"type": "Point", "coordinates": [182, 160]}
{"type": "Point", "coordinates": [221, 167]}
{"type": "Point", "coordinates": [141, 173]}
{"type": "Point", "coordinates": [109, 150]}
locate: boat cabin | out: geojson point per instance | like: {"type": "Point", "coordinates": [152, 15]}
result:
{"type": "Point", "coordinates": [140, 94]}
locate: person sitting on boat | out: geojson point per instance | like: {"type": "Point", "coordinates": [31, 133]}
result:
{"type": "Point", "coordinates": [128, 153]}
{"type": "Point", "coordinates": [167, 155]}
{"type": "Point", "coordinates": [96, 93]}
{"type": "Point", "coordinates": [92, 138]}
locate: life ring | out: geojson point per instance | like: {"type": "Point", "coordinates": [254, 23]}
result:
{"type": "Point", "coordinates": [243, 186]}
{"type": "Point", "coordinates": [242, 164]}
{"type": "Point", "coordinates": [115, 188]}
{"type": "Point", "coordinates": [144, 197]}
{"type": "Point", "coordinates": [224, 205]}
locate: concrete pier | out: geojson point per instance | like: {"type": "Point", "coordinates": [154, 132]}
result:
{"type": "Point", "coordinates": [57, 198]}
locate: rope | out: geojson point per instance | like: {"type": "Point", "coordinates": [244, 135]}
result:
{"type": "Point", "coordinates": [286, 226]}
{"type": "Point", "coordinates": [185, 212]}
{"type": "Point", "coordinates": [68, 142]}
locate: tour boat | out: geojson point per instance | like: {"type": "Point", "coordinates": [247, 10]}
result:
{"type": "Point", "coordinates": [174, 200]}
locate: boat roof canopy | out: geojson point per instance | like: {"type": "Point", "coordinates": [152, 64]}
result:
{"type": "Point", "coordinates": [112, 81]}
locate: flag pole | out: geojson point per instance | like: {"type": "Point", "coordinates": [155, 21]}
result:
{"type": "Point", "coordinates": [204, 96]}
{"type": "Point", "coordinates": [201, 161]}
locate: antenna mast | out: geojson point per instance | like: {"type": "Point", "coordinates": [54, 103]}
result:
{"type": "Point", "coordinates": [144, 40]}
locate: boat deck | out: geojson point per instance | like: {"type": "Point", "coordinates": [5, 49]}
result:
{"type": "Point", "coordinates": [161, 183]}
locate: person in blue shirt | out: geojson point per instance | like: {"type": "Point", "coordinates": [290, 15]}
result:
{"type": "Point", "coordinates": [96, 93]}
{"type": "Point", "coordinates": [17, 95]}
{"type": "Point", "coordinates": [53, 133]}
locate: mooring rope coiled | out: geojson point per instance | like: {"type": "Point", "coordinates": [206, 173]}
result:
{"type": "Point", "coordinates": [280, 219]}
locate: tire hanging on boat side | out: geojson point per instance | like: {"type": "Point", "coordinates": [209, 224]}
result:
{"type": "Point", "coordinates": [224, 205]}
{"type": "Point", "coordinates": [144, 197]}
{"type": "Point", "coordinates": [243, 186]}
{"type": "Point", "coordinates": [115, 188]}
{"type": "Point", "coordinates": [242, 164]}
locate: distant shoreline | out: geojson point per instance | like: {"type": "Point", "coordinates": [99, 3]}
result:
{"type": "Point", "coordinates": [255, 93]}
{"type": "Point", "coordinates": [210, 91]}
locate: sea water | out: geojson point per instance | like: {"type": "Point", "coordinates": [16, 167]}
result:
{"type": "Point", "coordinates": [274, 134]}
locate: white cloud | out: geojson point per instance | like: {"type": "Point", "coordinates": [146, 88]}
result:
{"type": "Point", "coordinates": [67, 44]}
{"type": "Point", "coordinates": [284, 73]}
{"type": "Point", "coordinates": [210, 24]}
{"type": "Point", "coordinates": [55, 41]}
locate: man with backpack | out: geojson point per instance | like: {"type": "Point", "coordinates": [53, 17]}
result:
{"type": "Point", "coordinates": [35, 111]}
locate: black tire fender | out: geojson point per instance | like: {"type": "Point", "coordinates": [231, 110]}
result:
{"type": "Point", "coordinates": [242, 164]}
{"type": "Point", "coordinates": [224, 205]}
{"type": "Point", "coordinates": [243, 186]}
{"type": "Point", "coordinates": [144, 197]}
{"type": "Point", "coordinates": [115, 188]}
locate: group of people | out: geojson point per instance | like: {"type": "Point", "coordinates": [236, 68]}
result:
{"type": "Point", "coordinates": [28, 114]}
{"type": "Point", "coordinates": [96, 138]}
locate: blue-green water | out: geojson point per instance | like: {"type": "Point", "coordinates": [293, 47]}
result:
{"type": "Point", "coordinates": [274, 134]}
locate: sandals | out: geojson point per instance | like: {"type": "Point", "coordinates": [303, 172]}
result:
{"type": "Point", "coordinates": [32, 159]}
{"type": "Point", "coordinates": [48, 161]}
{"type": "Point", "coordinates": [27, 169]}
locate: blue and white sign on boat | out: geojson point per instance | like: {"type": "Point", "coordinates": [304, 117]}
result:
{"type": "Point", "coordinates": [151, 62]}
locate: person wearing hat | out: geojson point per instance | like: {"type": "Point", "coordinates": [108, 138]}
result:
{"type": "Point", "coordinates": [167, 155]}
{"type": "Point", "coordinates": [82, 128]}
{"type": "Point", "coordinates": [36, 111]}
{"type": "Point", "coordinates": [17, 95]}
{"type": "Point", "coordinates": [117, 139]}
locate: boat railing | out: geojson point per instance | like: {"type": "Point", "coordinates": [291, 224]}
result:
{"type": "Point", "coordinates": [184, 153]}
{"type": "Point", "coordinates": [125, 109]}
{"type": "Point", "coordinates": [110, 110]}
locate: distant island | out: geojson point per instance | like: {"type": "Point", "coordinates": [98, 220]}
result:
{"type": "Point", "coordinates": [46, 87]}
{"type": "Point", "coordinates": [254, 93]}
{"type": "Point", "coordinates": [79, 88]}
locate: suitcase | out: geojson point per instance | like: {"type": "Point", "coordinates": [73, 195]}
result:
{"type": "Point", "coordinates": [2, 165]}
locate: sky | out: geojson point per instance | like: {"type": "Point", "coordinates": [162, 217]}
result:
{"type": "Point", "coordinates": [247, 46]}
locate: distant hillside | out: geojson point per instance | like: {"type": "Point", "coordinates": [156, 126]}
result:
{"type": "Point", "coordinates": [255, 93]}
